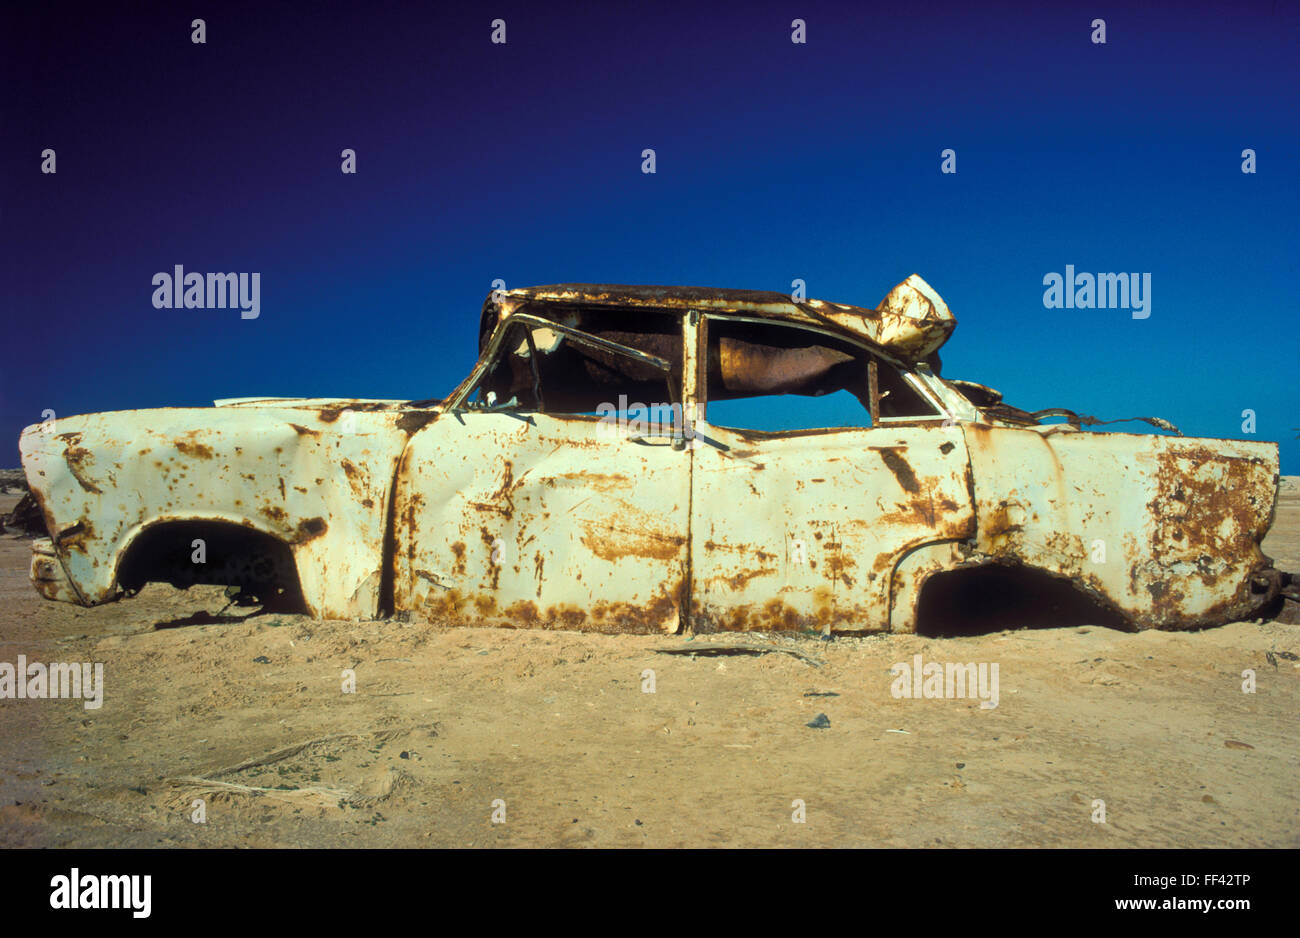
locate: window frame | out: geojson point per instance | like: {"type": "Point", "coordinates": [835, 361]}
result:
{"type": "Point", "coordinates": [912, 376]}
{"type": "Point", "coordinates": [492, 354]}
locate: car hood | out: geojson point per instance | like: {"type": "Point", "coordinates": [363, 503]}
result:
{"type": "Point", "coordinates": [316, 403]}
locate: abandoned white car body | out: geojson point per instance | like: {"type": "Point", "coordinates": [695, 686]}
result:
{"type": "Point", "coordinates": [512, 503]}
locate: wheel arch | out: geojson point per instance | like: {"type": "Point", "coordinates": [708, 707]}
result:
{"type": "Point", "coordinates": [149, 549]}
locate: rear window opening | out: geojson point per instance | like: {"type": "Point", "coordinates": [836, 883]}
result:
{"type": "Point", "coordinates": [772, 378]}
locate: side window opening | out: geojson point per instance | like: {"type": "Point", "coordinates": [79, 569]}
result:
{"type": "Point", "coordinates": [548, 370]}
{"type": "Point", "coordinates": [898, 398]}
{"type": "Point", "coordinates": [771, 377]}
{"type": "Point", "coordinates": [779, 413]}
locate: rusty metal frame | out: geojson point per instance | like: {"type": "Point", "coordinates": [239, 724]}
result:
{"type": "Point", "coordinates": [873, 389]}
{"type": "Point", "coordinates": [695, 345]}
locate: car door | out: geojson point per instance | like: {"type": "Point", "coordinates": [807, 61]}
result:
{"type": "Point", "coordinates": [802, 528]}
{"type": "Point", "coordinates": [516, 517]}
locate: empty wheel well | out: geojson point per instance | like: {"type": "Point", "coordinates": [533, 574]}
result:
{"type": "Point", "coordinates": [995, 597]}
{"type": "Point", "coordinates": [186, 553]}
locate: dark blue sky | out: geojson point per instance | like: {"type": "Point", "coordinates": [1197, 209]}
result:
{"type": "Point", "coordinates": [775, 161]}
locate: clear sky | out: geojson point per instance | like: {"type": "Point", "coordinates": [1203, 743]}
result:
{"type": "Point", "coordinates": [775, 161]}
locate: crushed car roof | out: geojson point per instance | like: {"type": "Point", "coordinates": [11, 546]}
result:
{"type": "Point", "coordinates": [911, 322]}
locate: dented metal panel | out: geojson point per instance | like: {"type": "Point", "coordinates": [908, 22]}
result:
{"type": "Point", "coordinates": [1165, 530]}
{"type": "Point", "coordinates": [301, 476]}
{"type": "Point", "coordinates": [541, 521]}
{"type": "Point", "coordinates": [803, 530]}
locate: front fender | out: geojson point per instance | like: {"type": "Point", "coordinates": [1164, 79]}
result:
{"type": "Point", "coordinates": [103, 479]}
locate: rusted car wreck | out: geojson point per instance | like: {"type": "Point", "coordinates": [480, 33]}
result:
{"type": "Point", "coordinates": [528, 497]}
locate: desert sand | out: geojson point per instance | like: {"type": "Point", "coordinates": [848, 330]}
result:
{"type": "Point", "coordinates": [464, 737]}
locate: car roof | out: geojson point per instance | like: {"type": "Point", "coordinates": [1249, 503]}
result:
{"type": "Point", "coordinates": [911, 322]}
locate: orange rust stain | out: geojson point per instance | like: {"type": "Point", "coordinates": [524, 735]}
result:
{"type": "Point", "coordinates": [309, 529]}
{"type": "Point", "coordinates": [525, 612]}
{"type": "Point", "coordinates": [189, 447]}
{"type": "Point", "coordinates": [616, 543]}
{"type": "Point", "coordinates": [489, 541]}
{"type": "Point", "coordinates": [738, 581]}
{"type": "Point", "coordinates": [503, 492]}
{"type": "Point", "coordinates": [357, 480]}
{"type": "Point", "coordinates": [598, 480]}
{"type": "Point", "coordinates": [76, 458]}
{"type": "Point", "coordinates": [451, 607]}
{"type": "Point", "coordinates": [902, 471]}
{"type": "Point", "coordinates": [74, 538]}
{"type": "Point", "coordinates": [776, 616]}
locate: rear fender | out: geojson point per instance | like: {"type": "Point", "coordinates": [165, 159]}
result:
{"type": "Point", "coordinates": [1165, 530]}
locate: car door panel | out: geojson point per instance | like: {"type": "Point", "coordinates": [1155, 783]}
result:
{"type": "Point", "coordinates": [803, 529]}
{"type": "Point", "coordinates": [538, 520]}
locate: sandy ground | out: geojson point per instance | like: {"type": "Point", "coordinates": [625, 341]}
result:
{"type": "Point", "coordinates": [558, 726]}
